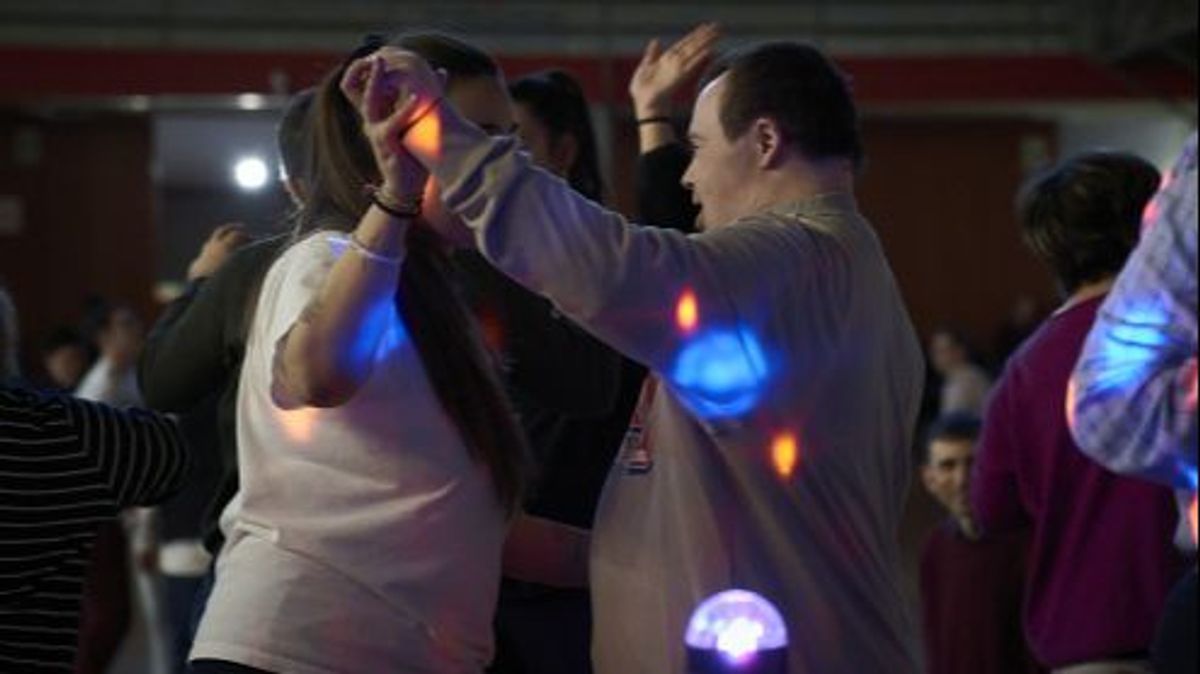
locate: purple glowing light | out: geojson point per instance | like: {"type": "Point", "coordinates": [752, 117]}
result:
{"type": "Point", "coordinates": [740, 638]}
{"type": "Point", "coordinates": [737, 624]}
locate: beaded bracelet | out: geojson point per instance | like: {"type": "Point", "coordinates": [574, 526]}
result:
{"type": "Point", "coordinates": [407, 208]}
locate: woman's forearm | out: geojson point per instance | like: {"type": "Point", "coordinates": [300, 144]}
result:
{"type": "Point", "coordinates": [328, 353]}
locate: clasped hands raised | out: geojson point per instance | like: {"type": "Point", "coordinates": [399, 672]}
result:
{"type": "Point", "coordinates": [394, 90]}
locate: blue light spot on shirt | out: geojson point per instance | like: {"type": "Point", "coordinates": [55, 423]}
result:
{"type": "Point", "coordinates": [1132, 346]}
{"type": "Point", "coordinates": [721, 372]}
{"type": "Point", "coordinates": [381, 333]}
{"type": "Point", "coordinates": [1189, 474]}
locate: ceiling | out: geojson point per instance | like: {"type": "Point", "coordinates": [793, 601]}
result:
{"type": "Point", "coordinates": [561, 26]}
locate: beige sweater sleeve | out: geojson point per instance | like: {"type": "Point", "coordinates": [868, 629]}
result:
{"type": "Point", "coordinates": [652, 294]}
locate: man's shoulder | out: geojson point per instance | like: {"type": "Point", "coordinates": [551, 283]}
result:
{"type": "Point", "coordinates": [772, 232]}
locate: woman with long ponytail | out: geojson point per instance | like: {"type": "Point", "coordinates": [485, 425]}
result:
{"type": "Point", "coordinates": [379, 459]}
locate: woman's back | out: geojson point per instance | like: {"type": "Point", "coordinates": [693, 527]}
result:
{"type": "Point", "coordinates": [382, 535]}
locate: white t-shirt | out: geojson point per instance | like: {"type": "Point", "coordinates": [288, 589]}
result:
{"type": "Point", "coordinates": [364, 538]}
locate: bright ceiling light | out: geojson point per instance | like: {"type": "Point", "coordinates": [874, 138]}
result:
{"type": "Point", "coordinates": [251, 101]}
{"type": "Point", "coordinates": [250, 173]}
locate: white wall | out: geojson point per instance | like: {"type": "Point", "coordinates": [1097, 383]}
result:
{"type": "Point", "coordinates": [1155, 132]}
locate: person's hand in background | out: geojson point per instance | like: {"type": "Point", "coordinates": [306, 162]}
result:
{"type": "Point", "coordinates": [216, 249]}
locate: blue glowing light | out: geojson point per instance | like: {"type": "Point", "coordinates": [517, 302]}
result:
{"type": "Point", "coordinates": [382, 330]}
{"type": "Point", "coordinates": [1132, 346]}
{"type": "Point", "coordinates": [721, 372]}
{"type": "Point", "coordinates": [1189, 474]}
{"type": "Point", "coordinates": [737, 624]}
{"type": "Point", "coordinates": [381, 333]}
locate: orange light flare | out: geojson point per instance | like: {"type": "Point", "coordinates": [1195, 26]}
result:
{"type": "Point", "coordinates": [1150, 215]}
{"type": "Point", "coordinates": [1192, 518]}
{"type": "Point", "coordinates": [1072, 396]}
{"type": "Point", "coordinates": [785, 454]}
{"type": "Point", "coordinates": [298, 423]}
{"type": "Point", "coordinates": [687, 312]}
{"type": "Point", "coordinates": [424, 139]}
{"type": "Point", "coordinates": [1153, 207]}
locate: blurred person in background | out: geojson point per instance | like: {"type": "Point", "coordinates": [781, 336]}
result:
{"type": "Point", "coordinates": [971, 585]}
{"type": "Point", "coordinates": [1101, 557]}
{"type": "Point", "coordinates": [112, 380]}
{"type": "Point", "coordinates": [66, 357]}
{"type": "Point", "coordinates": [1133, 397]}
{"type": "Point", "coordinates": [965, 385]}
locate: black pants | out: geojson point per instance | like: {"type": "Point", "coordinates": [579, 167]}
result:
{"type": "Point", "coordinates": [1175, 645]}
{"type": "Point", "coordinates": [222, 667]}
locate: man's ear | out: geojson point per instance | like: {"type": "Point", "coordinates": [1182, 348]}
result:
{"type": "Point", "coordinates": [768, 142]}
{"type": "Point", "coordinates": [563, 153]}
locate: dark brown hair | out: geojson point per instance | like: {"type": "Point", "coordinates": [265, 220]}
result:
{"type": "Point", "coordinates": [443, 331]}
{"type": "Point", "coordinates": [799, 88]}
{"type": "Point", "coordinates": [558, 102]}
{"type": "Point", "coordinates": [294, 136]}
{"type": "Point", "coordinates": [1082, 217]}
{"type": "Point", "coordinates": [955, 426]}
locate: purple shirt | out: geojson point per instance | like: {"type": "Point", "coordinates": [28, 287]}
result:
{"type": "Point", "coordinates": [1101, 561]}
{"type": "Point", "coordinates": [971, 603]}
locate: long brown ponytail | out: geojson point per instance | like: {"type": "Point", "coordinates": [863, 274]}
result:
{"type": "Point", "coordinates": [443, 331]}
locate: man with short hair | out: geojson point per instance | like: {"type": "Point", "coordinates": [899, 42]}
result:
{"type": "Point", "coordinates": [971, 585]}
{"type": "Point", "coordinates": [1101, 560]}
{"type": "Point", "coordinates": [769, 451]}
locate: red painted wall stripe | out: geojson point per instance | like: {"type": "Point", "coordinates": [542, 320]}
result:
{"type": "Point", "coordinates": [27, 73]}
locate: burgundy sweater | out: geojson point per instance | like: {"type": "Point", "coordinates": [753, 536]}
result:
{"type": "Point", "coordinates": [1102, 560]}
{"type": "Point", "coordinates": [971, 603]}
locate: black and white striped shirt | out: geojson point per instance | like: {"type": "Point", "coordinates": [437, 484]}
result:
{"type": "Point", "coordinates": [66, 466]}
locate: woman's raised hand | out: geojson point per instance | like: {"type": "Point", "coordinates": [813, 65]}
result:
{"type": "Point", "coordinates": [661, 72]}
{"type": "Point", "coordinates": [392, 90]}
